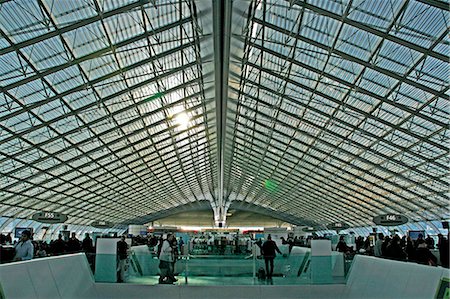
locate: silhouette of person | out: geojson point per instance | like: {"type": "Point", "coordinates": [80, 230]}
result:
{"type": "Point", "coordinates": [269, 249]}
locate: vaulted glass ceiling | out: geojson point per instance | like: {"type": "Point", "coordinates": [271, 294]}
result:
{"type": "Point", "coordinates": [310, 111]}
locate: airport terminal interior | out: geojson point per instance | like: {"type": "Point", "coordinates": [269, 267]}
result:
{"type": "Point", "coordinates": [224, 149]}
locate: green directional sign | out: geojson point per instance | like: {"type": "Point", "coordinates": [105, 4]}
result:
{"type": "Point", "coordinates": [153, 97]}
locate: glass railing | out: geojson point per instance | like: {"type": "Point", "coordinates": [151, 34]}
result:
{"type": "Point", "coordinates": [298, 267]}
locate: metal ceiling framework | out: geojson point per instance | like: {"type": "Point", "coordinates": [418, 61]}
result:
{"type": "Point", "coordinates": [310, 111]}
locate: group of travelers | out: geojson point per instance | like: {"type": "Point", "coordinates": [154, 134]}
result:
{"type": "Point", "coordinates": [406, 249]}
{"type": "Point", "coordinates": [5, 239]}
{"type": "Point", "coordinates": [167, 250]}
{"type": "Point", "coordinates": [72, 245]}
{"type": "Point", "coordinates": [26, 248]}
{"type": "Point", "coordinates": [301, 241]}
{"type": "Point", "coordinates": [401, 248]}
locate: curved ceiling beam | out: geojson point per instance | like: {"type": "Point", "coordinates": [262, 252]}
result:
{"type": "Point", "coordinates": [193, 206]}
{"type": "Point", "coordinates": [249, 207]}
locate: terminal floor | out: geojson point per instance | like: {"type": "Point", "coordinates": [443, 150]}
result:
{"type": "Point", "coordinates": [226, 281]}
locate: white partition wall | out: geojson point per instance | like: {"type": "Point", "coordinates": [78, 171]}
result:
{"type": "Point", "coordinates": [61, 277]}
{"type": "Point", "coordinates": [106, 259]}
{"type": "Point", "coordinates": [321, 271]}
{"type": "Point", "coordinates": [372, 277]}
{"type": "Point", "coordinates": [69, 277]}
{"type": "Point", "coordinates": [143, 258]}
{"type": "Point", "coordinates": [337, 263]}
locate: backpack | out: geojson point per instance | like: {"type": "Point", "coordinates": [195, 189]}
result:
{"type": "Point", "coordinates": [261, 273]}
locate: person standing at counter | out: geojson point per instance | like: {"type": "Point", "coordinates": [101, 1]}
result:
{"type": "Point", "coordinates": [87, 245]}
{"type": "Point", "coordinates": [378, 245]}
{"type": "Point", "coordinates": [8, 239]}
{"type": "Point", "coordinates": [24, 248]}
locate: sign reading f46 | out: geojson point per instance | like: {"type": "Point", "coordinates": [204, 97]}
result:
{"type": "Point", "coordinates": [390, 220]}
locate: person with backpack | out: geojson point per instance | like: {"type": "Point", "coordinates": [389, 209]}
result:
{"type": "Point", "coordinates": [166, 260]}
{"type": "Point", "coordinates": [269, 249]}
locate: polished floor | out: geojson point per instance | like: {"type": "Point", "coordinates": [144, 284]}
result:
{"type": "Point", "coordinates": [224, 280]}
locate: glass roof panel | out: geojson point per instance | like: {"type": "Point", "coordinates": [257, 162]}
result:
{"type": "Point", "coordinates": [113, 106]}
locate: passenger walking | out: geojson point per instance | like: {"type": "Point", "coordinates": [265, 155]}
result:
{"type": "Point", "coordinates": [410, 250]}
{"type": "Point", "coordinates": [8, 239]}
{"type": "Point", "coordinates": [58, 246]}
{"type": "Point", "coordinates": [122, 255]}
{"type": "Point", "coordinates": [24, 248]}
{"type": "Point", "coordinates": [378, 245]}
{"type": "Point", "coordinates": [175, 254]}
{"type": "Point", "coordinates": [359, 243]}
{"type": "Point", "coordinates": [73, 244]}
{"type": "Point", "coordinates": [41, 252]}
{"type": "Point", "coordinates": [166, 259]}
{"type": "Point", "coordinates": [424, 255]}
{"type": "Point", "coordinates": [394, 251]}
{"type": "Point", "coordinates": [418, 241]}
{"type": "Point", "coordinates": [386, 242]}
{"type": "Point", "coordinates": [290, 241]}
{"type": "Point", "coordinates": [443, 250]}
{"type": "Point", "coordinates": [269, 249]}
{"type": "Point", "coordinates": [430, 242]}
{"type": "Point", "coordinates": [88, 248]}
{"type": "Point", "coordinates": [87, 245]}
{"type": "Point", "coordinates": [342, 246]}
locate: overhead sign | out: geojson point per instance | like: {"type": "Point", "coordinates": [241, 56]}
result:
{"type": "Point", "coordinates": [338, 226]}
{"type": "Point", "coordinates": [101, 224]}
{"type": "Point", "coordinates": [390, 220]}
{"type": "Point", "coordinates": [49, 217]}
{"type": "Point", "coordinates": [309, 229]}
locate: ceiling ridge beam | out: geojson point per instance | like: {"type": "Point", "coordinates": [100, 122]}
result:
{"type": "Point", "coordinates": [222, 10]}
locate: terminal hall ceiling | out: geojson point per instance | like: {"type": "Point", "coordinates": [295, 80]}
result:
{"type": "Point", "coordinates": [310, 111]}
